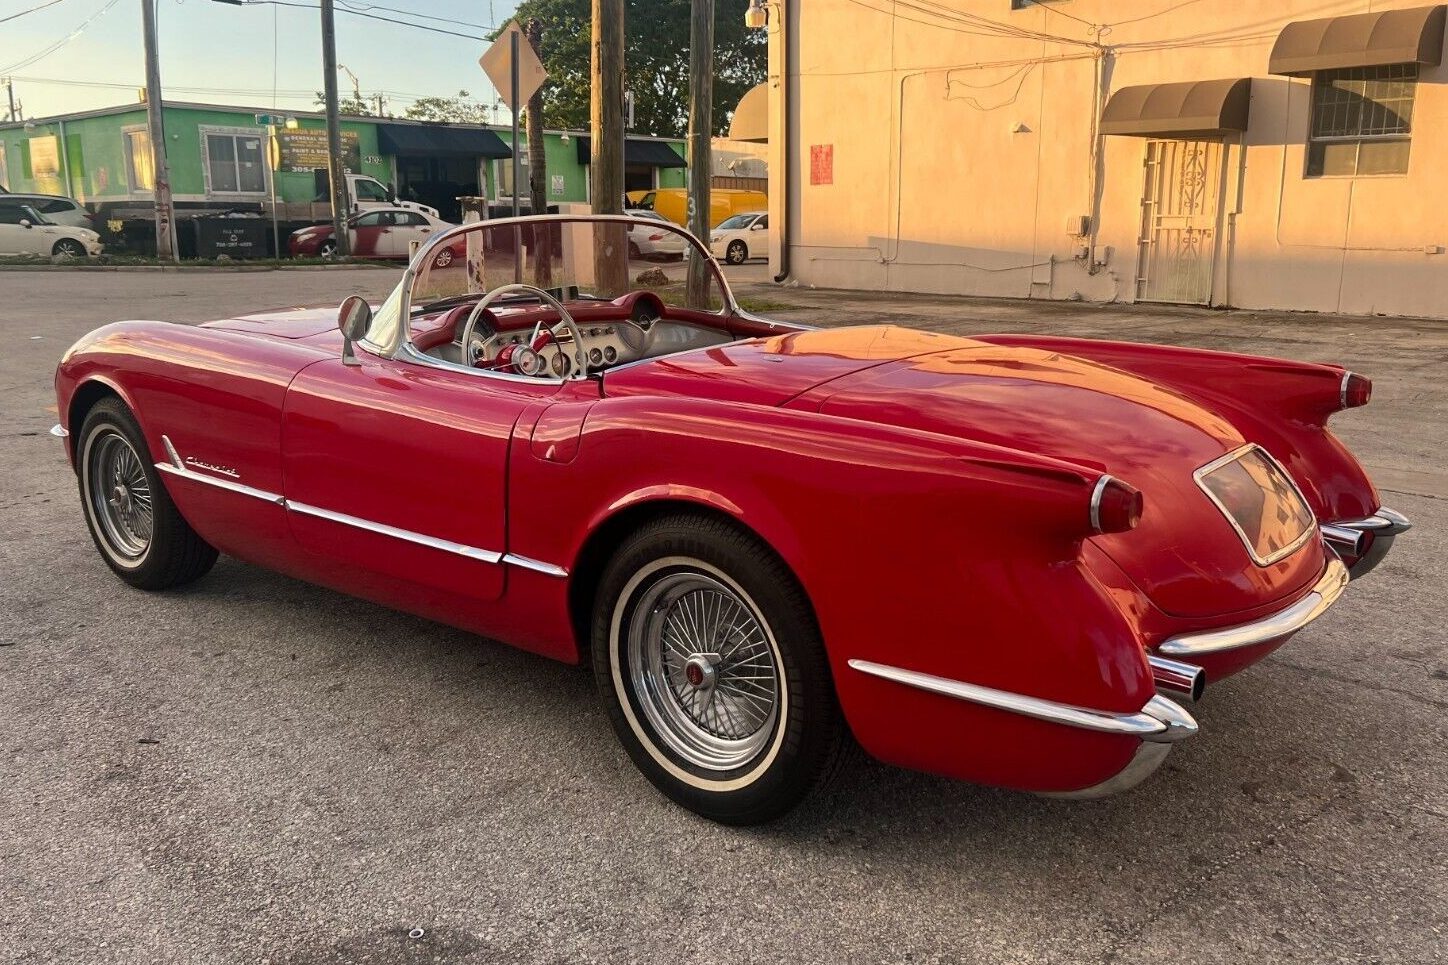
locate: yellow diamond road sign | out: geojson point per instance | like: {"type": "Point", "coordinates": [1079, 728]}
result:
{"type": "Point", "coordinates": [497, 63]}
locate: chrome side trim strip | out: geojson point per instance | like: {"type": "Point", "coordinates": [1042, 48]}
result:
{"type": "Point", "coordinates": [1159, 720]}
{"type": "Point", "coordinates": [59, 431]}
{"type": "Point", "coordinates": [1323, 595]}
{"type": "Point", "coordinates": [226, 484]}
{"type": "Point", "coordinates": [177, 467]}
{"type": "Point", "coordinates": [407, 535]}
{"type": "Point", "coordinates": [527, 563]}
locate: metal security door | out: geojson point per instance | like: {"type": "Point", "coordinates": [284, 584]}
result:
{"type": "Point", "coordinates": [1180, 217]}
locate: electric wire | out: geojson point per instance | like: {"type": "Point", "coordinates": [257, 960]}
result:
{"type": "Point", "coordinates": [17, 16]}
{"type": "Point", "coordinates": [33, 58]}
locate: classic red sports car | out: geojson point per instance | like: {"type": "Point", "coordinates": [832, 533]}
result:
{"type": "Point", "coordinates": [979, 557]}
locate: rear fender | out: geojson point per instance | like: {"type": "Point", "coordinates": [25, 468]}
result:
{"type": "Point", "coordinates": [1281, 404]}
{"type": "Point", "coordinates": [924, 552]}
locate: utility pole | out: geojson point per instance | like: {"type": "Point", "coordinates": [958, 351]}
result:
{"type": "Point", "coordinates": [161, 190]}
{"type": "Point", "coordinates": [701, 126]}
{"type": "Point", "coordinates": [538, 170]}
{"type": "Point", "coordinates": [334, 133]}
{"type": "Point", "coordinates": [606, 127]}
{"type": "Point", "coordinates": [10, 89]}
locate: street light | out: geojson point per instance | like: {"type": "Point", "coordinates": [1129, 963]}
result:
{"type": "Point", "coordinates": [754, 17]}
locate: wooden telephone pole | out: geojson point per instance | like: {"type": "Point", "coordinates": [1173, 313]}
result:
{"type": "Point", "coordinates": [336, 171]}
{"type": "Point", "coordinates": [701, 127]}
{"type": "Point", "coordinates": [161, 177]}
{"type": "Point", "coordinates": [605, 169]}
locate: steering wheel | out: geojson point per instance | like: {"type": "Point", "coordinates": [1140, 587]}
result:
{"type": "Point", "coordinates": [580, 360]}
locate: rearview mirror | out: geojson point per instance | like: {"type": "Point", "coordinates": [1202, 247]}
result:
{"type": "Point", "coordinates": [25, 222]}
{"type": "Point", "coordinates": [353, 317]}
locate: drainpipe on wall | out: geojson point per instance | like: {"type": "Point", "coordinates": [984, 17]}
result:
{"type": "Point", "coordinates": [786, 38]}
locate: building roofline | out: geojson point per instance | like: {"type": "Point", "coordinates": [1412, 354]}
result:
{"type": "Point", "coordinates": [317, 115]}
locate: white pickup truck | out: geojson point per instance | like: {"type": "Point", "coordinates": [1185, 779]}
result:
{"type": "Point", "coordinates": [364, 193]}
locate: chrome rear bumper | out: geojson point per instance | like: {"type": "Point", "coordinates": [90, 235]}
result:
{"type": "Point", "coordinates": [1323, 595]}
{"type": "Point", "coordinates": [1366, 541]}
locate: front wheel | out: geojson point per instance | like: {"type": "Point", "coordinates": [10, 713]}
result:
{"type": "Point", "coordinates": [443, 258]}
{"type": "Point", "coordinates": [736, 253]}
{"type": "Point", "coordinates": [328, 249]}
{"type": "Point", "coordinates": [69, 247]}
{"type": "Point", "coordinates": [136, 527]}
{"type": "Point", "coordinates": [707, 654]}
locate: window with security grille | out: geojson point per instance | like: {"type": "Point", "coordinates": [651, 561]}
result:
{"type": "Point", "coordinates": [1362, 121]}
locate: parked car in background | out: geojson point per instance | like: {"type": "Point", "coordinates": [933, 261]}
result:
{"type": "Point", "coordinates": [25, 231]}
{"type": "Point", "coordinates": [385, 233]}
{"type": "Point", "coordinates": [724, 203]}
{"type": "Point", "coordinates": [741, 237]}
{"type": "Point", "coordinates": [648, 242]}
{"type": "Point", "coordinates": [58, 209]}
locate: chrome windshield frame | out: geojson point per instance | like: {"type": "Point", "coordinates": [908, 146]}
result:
{"type": "Point", "coordinates": [1199, 477]}
{"type": "Point", "coordinates": [403, 332]}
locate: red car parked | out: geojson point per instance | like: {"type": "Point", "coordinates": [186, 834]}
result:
{"type": "Point", "coordinates": [385, 233]}
{"type": "Point", "coordinates": [979, 557]}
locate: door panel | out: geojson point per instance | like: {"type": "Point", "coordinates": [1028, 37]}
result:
{"type": "Point", "coordinates": [400, 469]}
{"type": "Point", "coordinates": [1179, 221]}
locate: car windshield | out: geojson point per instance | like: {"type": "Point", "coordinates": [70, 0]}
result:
{"type": "Point", "coordinates": [583, 260]}
{"type": "Point", "coordinates": [738, 221]}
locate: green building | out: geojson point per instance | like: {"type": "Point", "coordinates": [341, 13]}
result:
{"type": "Point", "coordinates": [228, 159]}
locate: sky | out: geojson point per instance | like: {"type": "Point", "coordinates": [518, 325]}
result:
{"type": "Point", "coordinates": [219, 53]}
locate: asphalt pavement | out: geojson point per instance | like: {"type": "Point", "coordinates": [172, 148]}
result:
{"type": "Point", "coordinates": [256, 770]}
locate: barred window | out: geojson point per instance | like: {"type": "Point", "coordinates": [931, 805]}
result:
{"type": "Point", "coordinates": [1362, 120]}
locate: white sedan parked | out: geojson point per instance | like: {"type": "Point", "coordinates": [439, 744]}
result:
{"type": "Point", "coordinates": [25, 231]}
{"type": "Point", "coordinates": [645, 242]}
{"type": "Point", "coordinates": [741, 237]}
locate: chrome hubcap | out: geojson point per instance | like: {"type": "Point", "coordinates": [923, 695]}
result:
{"type": "Point", "coordinates": [120, 495]}
{"type": "Point", "coordinates": [704, 670]}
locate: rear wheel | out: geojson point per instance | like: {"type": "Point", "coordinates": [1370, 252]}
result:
{"type": "Point", "coordinates": [707, 654]}
{"type": "Point", "coordinates": [443, 258]}
{"type": "Point", "coordinates": [737, 253]}
{"type": "Point", "coordinates": [132, 520]}
{"type": "Point", "coordinates": [633, 251]}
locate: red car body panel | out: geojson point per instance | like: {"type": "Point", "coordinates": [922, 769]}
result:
{"type": "Point", "coordinates": [930, 493]}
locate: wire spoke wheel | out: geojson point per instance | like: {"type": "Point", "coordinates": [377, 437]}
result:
{"type": "Point", "coordinates": [120, 495]}
{"type": "Point", "coordinates": [705, 670]}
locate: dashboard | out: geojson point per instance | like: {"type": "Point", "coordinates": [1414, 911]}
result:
{"type": "Point", "coordinates": [607, 342]}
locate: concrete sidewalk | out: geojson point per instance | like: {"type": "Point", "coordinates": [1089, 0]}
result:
{"type": "Point", "coordinates": [1401, 435]}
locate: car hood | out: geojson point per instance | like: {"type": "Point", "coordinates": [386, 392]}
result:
{"type": "Point", "coordinates": [282, 322]}
{"type": "Point", "coordinates": [1184, 555]}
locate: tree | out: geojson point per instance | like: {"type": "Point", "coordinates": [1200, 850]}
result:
{"type": "Point", "coordinates": [450, 110]}
{"type": "Point", "coordinates": [656, 55]}
{"type": "Point", "coordinates": [352, 104]}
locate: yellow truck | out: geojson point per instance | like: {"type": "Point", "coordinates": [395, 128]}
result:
{"type": "Point", "coordinates": [673, 203]}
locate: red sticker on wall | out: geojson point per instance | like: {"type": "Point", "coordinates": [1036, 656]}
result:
{"type": "Point", "coordinates": [821, 164]}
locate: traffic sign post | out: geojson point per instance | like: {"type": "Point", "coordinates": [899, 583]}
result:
{"type": "Point", "coordinates": [513, 67]}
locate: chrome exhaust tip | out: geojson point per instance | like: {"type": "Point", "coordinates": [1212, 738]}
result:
{"type": "Point", "coordinates": [1186, 679]}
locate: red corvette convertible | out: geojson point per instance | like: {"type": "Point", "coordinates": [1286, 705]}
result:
{"type": "Point", "coordinates": [981, 557]}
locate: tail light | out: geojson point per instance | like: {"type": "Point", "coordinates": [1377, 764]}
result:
{"type": "Point", "coordinates": [1356, 390]}
{"type": "Point", "coordinates": [657, 237]}
{"type": "Point", "coordinates": [1115, 506]}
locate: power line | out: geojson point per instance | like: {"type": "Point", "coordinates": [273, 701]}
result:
{"type": "Point", "coordinates": [17, 16]}
{"type": "Point", "coordinates": [59, 43]}
{"type": "Point", "coordinates": [355, 7]}
{"type": "Point", "coordinates": [367, 16]}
